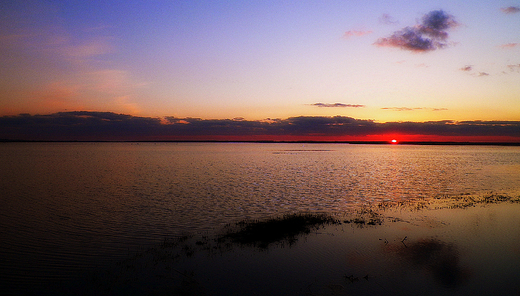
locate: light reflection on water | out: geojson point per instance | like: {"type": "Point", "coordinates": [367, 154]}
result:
{"type": "Point", "coordinates": [65, 206]}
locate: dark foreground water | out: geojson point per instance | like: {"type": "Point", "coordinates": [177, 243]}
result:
{"type": "Point", "coordinates": [69, 211]}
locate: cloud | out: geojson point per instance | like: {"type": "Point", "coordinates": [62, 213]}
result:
{"type": "Point", "coordinates": [469, 69]}
{"type": "Point", "coordinates": [78, 125]}
{"type": "Point", "coordinates": [400, 108]}
{"type": "Point", "coordinates": [57, 95]}
{"type": "Point", "coordinates": [108, 81]}
{"type": "Point", "coordinates": [355, 33]}
{"type": "Point", "coordinates": [386, 19]}
{"type": "Point", "coordinates": [431, 34]}
{"type": "Point", "coordinates": [54, 67]}
{"type": "Point", "coordinates": [413, 109]}
{"type": "Point", "coordinates": [337, 105]}
{"type": "Point", "coordinates": [92, 48]}
{"type": "Point", "coordinates": [509, 45]}
{"type": "Point", "coordinates": [45, 37]}
{"type": "Point", "coordinates": [514, 68]}
{"type": "Point", "coordinates": [88, 126]}
{"type": "Point", "coordinates": [511, 9]}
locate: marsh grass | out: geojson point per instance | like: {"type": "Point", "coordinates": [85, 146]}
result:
{"type": "Point", "coordinates": [467, 200]}
{"type": "Point", "coordinates": [366, 216]}
{"type": "Point", "coordinates": [283, 230]}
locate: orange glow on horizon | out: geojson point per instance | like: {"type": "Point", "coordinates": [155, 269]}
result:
{"type": "Point", "coordinates": [368, 138]}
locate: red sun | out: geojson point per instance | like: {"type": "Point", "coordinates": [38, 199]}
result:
{"type": "Point", "coordinates": [394, 141]}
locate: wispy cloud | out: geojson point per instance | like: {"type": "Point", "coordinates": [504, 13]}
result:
{"type": "Point", "coordinates": [91, 48]}
{"type": "Point", "coordinates": [355, 33]}
{"type": "Point", "coordinates": [430, 34]}
{"type": "Point", "coordinates": [514, 68]}
{"type": "Point", "coordinates": [509, 45]}
{"type": "Point", "coordinates": [470, 70]}
{"type": "Point", "coordinates": [337, 105]}
{"type": "Point", "coordinates": [68, 69]}
{"type": "Point", "coordinates": [83, 125]}
{"type": "Point", "coordinates": [511, 9]}
{"type": "Point", "coordinates": [57, 95]}
{"type": "Point", "coordinates": [400, 108]}
{"type": "Point", "coordinates": [387, 19]}
{"type": "Point", "coordinates": [413, 109]}
{"type": "Point", "coordinates": [108, 81]}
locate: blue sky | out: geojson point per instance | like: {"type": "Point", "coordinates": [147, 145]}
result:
{"type": "Point", "coordinates": [263, 59]}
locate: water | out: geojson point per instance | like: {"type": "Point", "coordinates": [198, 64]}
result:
{"type": "Point", "coordinates": [66, 208]}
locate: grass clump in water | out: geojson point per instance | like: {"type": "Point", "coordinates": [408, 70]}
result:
{"type": "Point", "coordinates": [366, 216]}
{"type": "Point", "coordinates": [285, 229]}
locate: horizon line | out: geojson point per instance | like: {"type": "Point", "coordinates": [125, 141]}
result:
{"type": "Point", "coordinates": [432, 143]}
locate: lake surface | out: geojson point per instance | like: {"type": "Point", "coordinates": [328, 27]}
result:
{"type": "Point", "coordinates": [70, 208]}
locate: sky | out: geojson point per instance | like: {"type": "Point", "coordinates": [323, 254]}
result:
{"type": "Point", "coordinates": [220, 66]}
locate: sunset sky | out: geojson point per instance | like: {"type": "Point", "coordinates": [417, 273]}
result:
{"type": "Point", "coordinates": [262, 63]}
